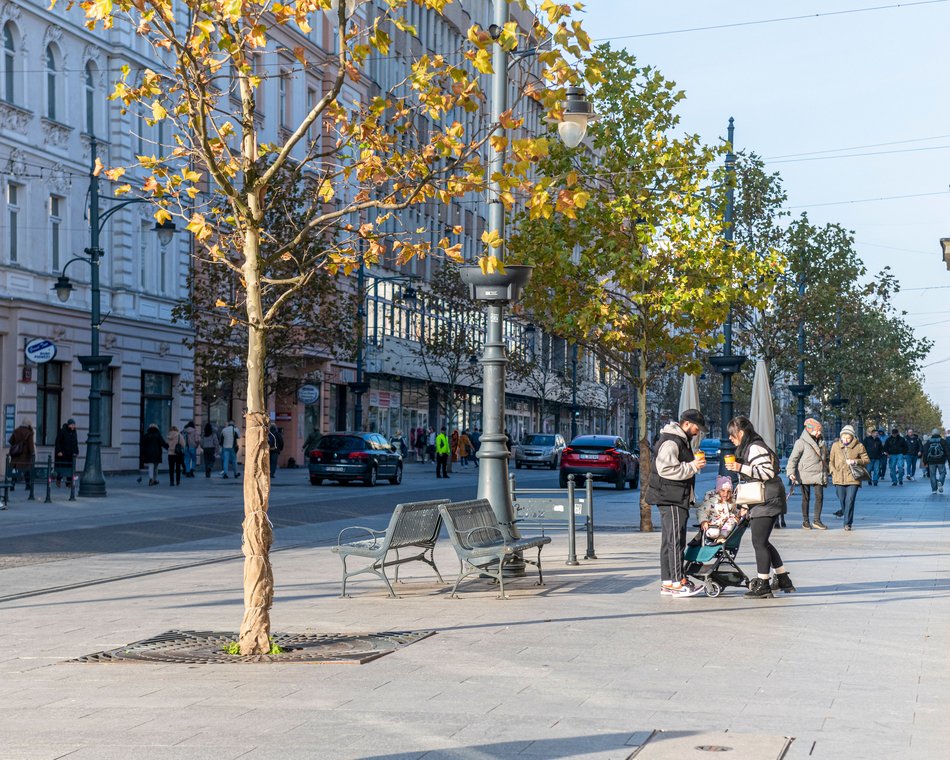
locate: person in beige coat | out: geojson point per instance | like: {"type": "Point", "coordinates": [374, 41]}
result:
{"type": "Point", "coordinates": [846, 451]}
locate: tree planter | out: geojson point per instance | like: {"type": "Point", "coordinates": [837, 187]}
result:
{"type": "Point", "coordinates": [496, 287]}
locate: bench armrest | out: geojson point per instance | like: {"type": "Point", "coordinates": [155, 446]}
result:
{"type": "Point", "coordinates": [463, 537]}
{"type": "Point", "coordinates": [370, 533]}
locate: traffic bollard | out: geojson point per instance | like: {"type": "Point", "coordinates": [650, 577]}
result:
{"type": "Point", "coordinates": [571, 524]}
{"type": "Point", "coordinates": [589, 493]}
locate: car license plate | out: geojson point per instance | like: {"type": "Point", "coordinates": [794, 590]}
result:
{"type": "Point", "coordinates": [589, 456]}
{"type": "Point", "coordinates": [335, 469]}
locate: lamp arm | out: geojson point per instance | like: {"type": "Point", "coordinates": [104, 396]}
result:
{"type": "Point", "coordinates": [104, 216]}
{"type": "Point", "coordinates": [72, 260]}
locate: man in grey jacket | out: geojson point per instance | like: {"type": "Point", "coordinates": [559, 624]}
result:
{"type": "Point", "coordinates": [808, 467]}
{"type": "Point", "coordinates": [673, 471]}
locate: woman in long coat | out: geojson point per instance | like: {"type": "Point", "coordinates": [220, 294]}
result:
{"type": "Point", "coordinates": [22, 450]}
{"type": "Point", "coordinates": [152, 444]}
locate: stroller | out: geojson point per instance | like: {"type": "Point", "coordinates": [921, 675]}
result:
{"type": "Point", "coordinates": [715, 564]}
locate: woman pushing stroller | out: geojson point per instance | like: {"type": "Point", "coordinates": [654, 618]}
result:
{"type": "Point", "coordinates": [755, 461]}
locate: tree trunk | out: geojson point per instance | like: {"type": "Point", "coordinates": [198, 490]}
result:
{"type": "Point", "coordinates": [646, 515]}
{"type": "Point", "coordinates": [258, 533]}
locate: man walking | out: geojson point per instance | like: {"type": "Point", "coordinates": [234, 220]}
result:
{"type": "Point", "coordinates": [808, 466]}
{"type": "Point", "coordinates": [430, 444]}
{"type": "Point", "coordinates": [896, 449]}
{"type": "Point", "coordinates": [875, 451]}
{"type": "Point", "coordinates": [229, 445]}
{"type": "Point", "coordinates": [913, 453]}
{"type": "Point", "coordinates": [442, 450]}
{"type": "Point", "coordinates": [936, 454]}
{"type": "Point", "coordinates": [672, 477]}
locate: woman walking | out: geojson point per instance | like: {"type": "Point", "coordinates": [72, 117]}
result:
{"type": "Point", "coordinates": [151, 452]}
{"type": "Point", "coordinates": [756, 462]}
{"type": "Point", "coordinates": [175, 443]}
{"type": "Point", "coordinates": [847, 451]}
{"type": "Point", "coordinates": [209, 448]}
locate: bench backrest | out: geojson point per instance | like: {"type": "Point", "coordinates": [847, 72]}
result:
{"type": "Point", "coordinates": [472, 524]}
{"type": "Point", "coordinates": [552, 509]}
{"type": "Point", "coordinates": [414, 523]}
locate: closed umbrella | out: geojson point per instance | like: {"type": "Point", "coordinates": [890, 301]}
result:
{"type": "Point", "coordinates": [761, 412]}
{"type": "Point", "coordinates": [689, 399]}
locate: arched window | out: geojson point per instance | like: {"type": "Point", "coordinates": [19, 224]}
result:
{"type": "Point", "coordinates": [90, 92]}
{"type": "Point", "coordinates": [51, 76]}
{"type": "Point", "coordinates": [9, 61]}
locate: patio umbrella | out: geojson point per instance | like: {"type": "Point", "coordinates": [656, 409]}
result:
{"type": "Point", "coordinates": [689, 399]}
{"type": "Point", "coordinates": [761, 413]}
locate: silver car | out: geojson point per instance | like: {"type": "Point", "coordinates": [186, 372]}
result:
{"type": "Point", "coordinates": [540, 450]}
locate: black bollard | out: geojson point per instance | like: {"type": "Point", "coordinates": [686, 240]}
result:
{"type": "Point", "coordinates": [31, 479]}
{"type": "Point", "coordinates": [589, 494]}
{"type": "Point", "coordinates": [571, 524]}
{"type": "Point", "coordinates": [72, 482]}
{"type": "Point", "coordinates": [49, 478]}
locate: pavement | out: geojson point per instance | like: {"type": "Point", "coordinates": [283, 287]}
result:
{"type": "Point", "coordinates": [591, 665]}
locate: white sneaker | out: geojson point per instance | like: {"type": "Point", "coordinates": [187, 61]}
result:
{"type": "Point", "coordinates": [687, 589]}
{"type": "Point", "coordinates": [668, 589]}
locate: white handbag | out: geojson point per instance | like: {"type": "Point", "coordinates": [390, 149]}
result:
{"type": "Point", "coordinates": [750, 493]}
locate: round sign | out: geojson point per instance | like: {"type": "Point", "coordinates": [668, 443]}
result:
{"type": "Point", "coordinates": [308, 394]}
{"type": "Point", "coordinates": [40, 350]}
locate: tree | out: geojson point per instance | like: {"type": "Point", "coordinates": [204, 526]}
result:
{"type": "Point", "coordinates": [651, 276]}
{"type": "Point", "coordinates": [411, 143]}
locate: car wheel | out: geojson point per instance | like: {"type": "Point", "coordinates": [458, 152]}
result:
{"type": "Point", "coordinates": [397, 478]}
{"type": "Point", "coordinates": [316, 481]}
{"type": "Point", "coordinates": [635, 483]}
{"type": "Point", "coordinates": [563, 480]}
{"type": "Point", "coordinates": [370, 480]}
{"type": "Point", "coordinates": [621, 482]}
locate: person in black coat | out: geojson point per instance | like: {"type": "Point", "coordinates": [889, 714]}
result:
{"type": "Point", "coordinates": [66, 449]}
{"type": "Point", "coordinates": [151, 452]}
{"type": "Point", "coordinates": [896, 449]}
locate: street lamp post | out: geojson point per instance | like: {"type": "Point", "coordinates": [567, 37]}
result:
{"type": "Point", "coordinates": [92, 482]}
{"type": "Point", "coordinates": [728, 363]}
{"type": "Point", "coordinates": [801, 390]}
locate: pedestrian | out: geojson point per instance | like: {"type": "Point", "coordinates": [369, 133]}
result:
{"type": "Point", "coordinates": [874, 448]}
{"type": "Point", "coordinates": [209, 448]}
{"type": "Point", "coordinates": [507, 440]}
{"type": "Point", "coordinates": [176, 455]}
{"type": "Point", "coordinates": [190, 434]}
{"type": "Point", "coordinates": [310, 444]}
{"type": "Point", "coordinates": [228, 438]}
{"type": "Point", "coordinates": [673, 470]}
{"type": "Point", "coordinates": [430, 444]}
{"type": "Point", "coordinates": [419, 444]}
{"type": "Point", "coordinates": [65, 451]}
{"type": "Point", "coordinates": [399, 441]}
{"type": "Point", "coordinates": [896, 449]}
{"type": "Point", "coordinates": [454, 445]}
{"type": "Point", "coordinates": [275, 445]}
{"type": "Point", "coordinates": [22, 451]}
{"type": "Point", "coordinates": [845, 452]}
{"type": "Point", "coordinates": [808, 467]}
{"type": "Point", "coordinates": [476, 438]}
{"type": "Point", "coordinates": [756, 462]}
{"type": "Point", "coordinates": [151, 451]}
{"type": "Point", "coordinates": [936, 454]}
{"type": "Point", "coordinates": [442, 451]}
{"type": "Point", "coordinates": [914, 447]}
{"type": "Point", "coordinates": [465, 448]}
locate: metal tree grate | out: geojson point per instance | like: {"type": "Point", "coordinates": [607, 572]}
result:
{"type": "Point", "coordinates": [207, 648]}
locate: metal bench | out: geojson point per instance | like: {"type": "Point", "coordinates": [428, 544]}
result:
{"type": "Point", "coordinates": [480, 543]}
{"type": "Point", "coordinates": [414, 525]}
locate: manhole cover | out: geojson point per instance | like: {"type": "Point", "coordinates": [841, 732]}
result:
{"type": "Point", "coordinates": [695, 745]}
{"type": "Point", "coordinates": [205, 648]}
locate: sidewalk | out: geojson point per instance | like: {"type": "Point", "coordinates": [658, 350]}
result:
{"type": "Point", "coordinates": [852, 666]}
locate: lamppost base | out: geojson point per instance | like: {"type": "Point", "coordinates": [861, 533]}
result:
{"type": "Point", "coordinates": [92, 489]}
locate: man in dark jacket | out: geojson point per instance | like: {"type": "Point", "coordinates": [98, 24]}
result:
{"type": "Point", "coordinates": [66, 450]}
{"type": "Point", "coordinates": [896, 449]}
{"type": "Point", "coordinates": [673, 471]}
{"type": "Point", "coordinates": [875, 451]}
{"type": "Point", "coordinates": [913, 453]}
{"type": "Point", "coordinates": [935, 453]}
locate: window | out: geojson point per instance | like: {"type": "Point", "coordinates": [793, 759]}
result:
{"type": "Point", "coordinates": [51, 76]}
{"type": "Point", "coordinates": [55, 225]}
{"type": "Point", "coordinates": [90, 87]}
{"type": "Point", "coordinates": [157, 400]}
{"type": "Point", "coordinates": [144, 254]}
{"type": "Point", "coordinates": [312, 133]}
{"type": "Point", "coordinates": [106, 381]}
{"type": "Point", "coordinates": [13, 212]}
{"type": "Point", "coordinates": [283, 98]}
{"type": "Point", "coordinates": [9, 63]}
{"type": "Point", "coordinates": [139, 132]}
{"type": "Point", "coordinates": [49, 397]}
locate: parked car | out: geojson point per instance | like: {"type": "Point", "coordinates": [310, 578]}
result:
{"type": "Point", "coordinates": [606, 457]}
{"type": "Point", "coordinates": [710, 447]}
{"type": "Point", "coordinates": [540, 450]}
{"type": "Point", "coordinates": [354, 456]}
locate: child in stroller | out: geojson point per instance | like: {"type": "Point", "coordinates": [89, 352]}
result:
{"type": "Point", "coordinates": [711, 555]}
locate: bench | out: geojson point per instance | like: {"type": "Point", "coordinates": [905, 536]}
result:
{"type": "Point", "coordinates": [481, 545]}
{"type": "Point", "coordinates": [414, 525]}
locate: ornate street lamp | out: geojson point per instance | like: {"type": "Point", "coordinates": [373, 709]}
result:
{"type": "Point", "coordinates": [92, 482]}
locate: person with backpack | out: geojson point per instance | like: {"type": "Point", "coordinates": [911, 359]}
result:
{"type": "Point", "coordinates": [275, 444]}
{"type": "Point", "coordinates": [935, 455]}
{"type": "Point", "coordinates": [22, 451]}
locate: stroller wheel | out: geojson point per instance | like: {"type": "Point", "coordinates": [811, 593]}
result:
{"type": "Point", "coordinates": [713, 589]}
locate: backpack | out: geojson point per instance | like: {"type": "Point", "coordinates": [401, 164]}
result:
{"type": "Point", "coordinates": [16, 449]}
{"type": "Point", "coordinates": [935, 452]}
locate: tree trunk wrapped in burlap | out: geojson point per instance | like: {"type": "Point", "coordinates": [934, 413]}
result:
{"type": "Point", "coordinates": [258, 537]}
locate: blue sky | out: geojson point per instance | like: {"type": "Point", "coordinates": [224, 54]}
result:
{"type": "Point", "coordinates": [822, 84]}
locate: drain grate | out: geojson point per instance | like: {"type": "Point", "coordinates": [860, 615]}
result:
{"type": "Point", "coordinates": [205, 648]}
